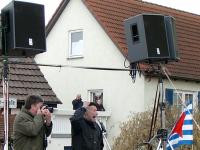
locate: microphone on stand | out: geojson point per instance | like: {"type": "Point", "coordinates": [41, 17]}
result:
{"type": "Point", "coordinates": [103, 129]}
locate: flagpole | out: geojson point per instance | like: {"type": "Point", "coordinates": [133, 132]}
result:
{"type": "Point", "coordinates": [170, 144]}
{"type": "Point", "coordinates": [159, 144]}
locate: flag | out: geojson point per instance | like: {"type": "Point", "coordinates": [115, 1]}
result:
{"type": "Point", "coordinates": [182, 133]}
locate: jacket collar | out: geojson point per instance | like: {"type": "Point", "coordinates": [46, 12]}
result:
{"type": "Point", "coordinates": [90, 123]}
{"type": "Point", "coordinates": [27, 112]}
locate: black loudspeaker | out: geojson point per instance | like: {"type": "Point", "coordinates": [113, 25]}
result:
{"type": "Point", "coordinates": [0, 35]}
{"type": "Point", "coordinates": [151, 38]}
{"type": "Point", "coordinates": [25, 29]}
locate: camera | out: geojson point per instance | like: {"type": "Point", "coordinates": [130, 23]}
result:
{"type": "Point", "coordinates": [49, 108]}
{"type": "Point", "coordinates": [162, 134]}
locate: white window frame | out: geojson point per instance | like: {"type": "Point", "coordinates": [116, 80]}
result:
{"type": "Point", "coordinates": [90, 97]}
{"type": "Point", "coordinates": [70, 55]}
{"type": "Point", "coordinates": [183, 97]}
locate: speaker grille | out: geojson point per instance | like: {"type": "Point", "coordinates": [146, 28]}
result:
{"type": "Point", "coordinates": [156, 38]}
{"type": "Point", "coordinates": [26, 28]}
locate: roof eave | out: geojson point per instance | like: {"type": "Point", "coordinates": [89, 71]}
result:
{"type": "Point", "coordinates": [173, 77]}
{"type": "Point", "coordinates": [56, 16]}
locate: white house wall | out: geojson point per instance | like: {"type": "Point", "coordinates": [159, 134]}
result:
{"type": "Point", "coordinates": [121, 96]}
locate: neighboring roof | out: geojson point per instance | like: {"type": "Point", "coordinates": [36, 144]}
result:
{"type": "Point", "coordinates": [112, 13]}
{"type": "Point", "coordinates": [27, 79]}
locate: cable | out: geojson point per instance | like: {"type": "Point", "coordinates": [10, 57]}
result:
{"type": "Point", "coordinates": [70, 66]}
{"type": "Point", "coordinates": [133, 71]}
{"type": "Point", "coordinates": [154, 115]}
{"type": "Point", "coordinates": [125, 63]}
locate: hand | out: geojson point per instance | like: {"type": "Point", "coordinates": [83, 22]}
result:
{"type": "Point", "coordinates": [40, 111]}
{"type": "Point", "coordinates": [99, 102]}
{"type": "Point", "coordinates": [85, 104]}
{"type": "Point", "coordinates": [47, 117]}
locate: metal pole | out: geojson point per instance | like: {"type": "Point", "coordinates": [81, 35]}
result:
{"type": "Point", "coordinates": [5, 88]}
{"type": "Point", "coordinates": [162, 106]}
{"type": "Point", "coordinates": [6, 102]}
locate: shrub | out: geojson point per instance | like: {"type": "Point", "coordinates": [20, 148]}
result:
{"type": "Point", "coordinates": [135, 131]}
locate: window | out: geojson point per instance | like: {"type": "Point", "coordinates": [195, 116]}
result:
{"type": "Point", "coordinates": [177, 97]}
{"type": "Point", "coordinates": [185, 97]}
{"type": "Point", "coordinates": [76, 43]}
{"type": "Point", "coordinates": [95, 95]}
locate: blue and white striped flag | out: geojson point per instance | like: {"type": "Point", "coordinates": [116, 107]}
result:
{"type": "Point", "coordinates": [182, 133]}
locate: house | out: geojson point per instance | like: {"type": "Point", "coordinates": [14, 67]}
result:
{"type": "Point", "coordinates": [88, 33]}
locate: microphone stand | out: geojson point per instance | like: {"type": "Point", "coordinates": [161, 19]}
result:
{"type": "Point", "coordinates": [108, 145]}
{"type": "Point", "coordinates": [102, 127]}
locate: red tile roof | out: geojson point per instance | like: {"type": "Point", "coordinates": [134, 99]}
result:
{"type": "Point", "coordinates": [27, 79]}
{"type": "Point", "coordinates": [111, 14]}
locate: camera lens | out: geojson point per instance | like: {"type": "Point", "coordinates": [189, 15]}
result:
{"type": "Point", "coordinates": [47, 107]}
{"type": "Point", "coordinates": [50, 109]}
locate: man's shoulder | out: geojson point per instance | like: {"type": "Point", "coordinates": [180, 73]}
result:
{"type": "Point", "coordinates": [74, 100]}
{"type": "Point", "coordinates": [22, 115]}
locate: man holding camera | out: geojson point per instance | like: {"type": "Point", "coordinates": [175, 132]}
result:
{"type": "Point", "coordinates": [32, 125]}
{"type": "Point", "coordinates": [86, 133]}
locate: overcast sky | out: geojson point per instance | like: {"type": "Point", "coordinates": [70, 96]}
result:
{"type": "Point", "coordinates": [192, 6]}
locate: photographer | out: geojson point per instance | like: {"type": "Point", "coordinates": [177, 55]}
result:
{"type": "Point", "coordinates": [86, 133]}
{"type": "Point", "coordinates": [32, 125]}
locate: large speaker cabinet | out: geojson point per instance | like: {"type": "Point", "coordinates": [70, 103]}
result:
{"type": "Point", "coordinates": [151, 38]}
{"type": "Point", "coordinates": [25, 29]}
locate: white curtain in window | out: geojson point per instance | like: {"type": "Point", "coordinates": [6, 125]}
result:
{"type": "Point", "coordinates": [76, 43]}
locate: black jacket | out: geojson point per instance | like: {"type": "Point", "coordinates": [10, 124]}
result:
{"type": "Point", "coordinates": [86, 135]}
{"type": "Point", "coordinates": [77, 104]}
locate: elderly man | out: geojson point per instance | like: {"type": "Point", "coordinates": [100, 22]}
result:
{"type": "Point", "coordinates": [86, 133]}
{"type": "Point", "coordinates": [77, 102]}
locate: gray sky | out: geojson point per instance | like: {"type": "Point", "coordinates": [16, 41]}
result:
{"type": "Point", "coordinates": [192, 6]}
